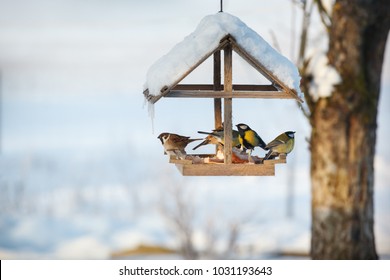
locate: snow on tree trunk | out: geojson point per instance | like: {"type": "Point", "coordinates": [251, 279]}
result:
{"type": "Point", "coordinates": [344, 134]}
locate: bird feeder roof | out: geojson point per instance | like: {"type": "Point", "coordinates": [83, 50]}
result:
{"type": "Point", "coordinates": [208, 38]}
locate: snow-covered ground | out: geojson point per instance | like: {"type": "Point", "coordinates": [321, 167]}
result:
{"type": "Point", "coordinates": [82, 173]}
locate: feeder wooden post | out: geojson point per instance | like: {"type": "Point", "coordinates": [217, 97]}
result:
{"type": "Point", "coordinates": [217, 87]}
{"type": "Point", "coordinates": [227, 105]}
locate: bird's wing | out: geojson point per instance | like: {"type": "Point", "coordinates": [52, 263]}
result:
{"type": "Point", "coordinates": [274, 143]}
{"type": "Point", "coordinates": [180, 139]}
{"type": "Point", "coordinates": [254, 139]}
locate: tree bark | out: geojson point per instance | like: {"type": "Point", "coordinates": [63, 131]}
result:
{"type": "Point", "coordinates": [344, 134]}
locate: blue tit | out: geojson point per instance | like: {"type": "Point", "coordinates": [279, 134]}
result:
{"type": "Point", "coordinates": [175, 144]}
{"type": "Point", "coordinates": [283, 144]}
{"type": "Point", "coordinates": [249, 139]}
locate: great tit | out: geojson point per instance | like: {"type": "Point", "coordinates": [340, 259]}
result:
{"type": "Point", "coordinates": [283, 144]}
{"type": "Point", "coordinates": [175, 144]}
{"type": "Point", "coordinates": [249, 139]}
{"type": "Point", "coordinates": [217, 137]}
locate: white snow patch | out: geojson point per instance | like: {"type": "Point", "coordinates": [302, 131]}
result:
{"type": "Point", "coordinates": [200, 240]}
{"type": "Point", "coordinates": [85, 247]}
{"type": "Point", "coordinates": [130, 239]}
{"type": "Point", "coordinates": [170, 68]}
{"type": "Point", "coordinates": [328, 6]}
{"type": "Point", "coordinates": [325, 77]}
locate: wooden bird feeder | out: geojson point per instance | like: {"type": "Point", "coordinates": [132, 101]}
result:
{"type": "Point", "coordinates": [195, 164]}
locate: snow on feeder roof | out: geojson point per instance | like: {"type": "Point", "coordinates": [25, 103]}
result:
{"type": "Point", "coordinates": [208, 38]}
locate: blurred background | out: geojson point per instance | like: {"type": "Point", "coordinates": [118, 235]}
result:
{"type": "Point", "coordinates": [82, 173]}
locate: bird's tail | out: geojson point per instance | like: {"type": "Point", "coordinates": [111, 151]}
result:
{"type": "Point", "coordinates": [208, 133]}
{"type": "Point", "coordinates": [268, 155]}
{"type": "Point", "coordinates": [195, 139]}
{"type": "Point", "coordinates": [205, 142]}
{"type": "Point", "coordinates": [263, 145]}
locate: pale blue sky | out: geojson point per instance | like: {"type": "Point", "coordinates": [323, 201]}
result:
{"type": "Point", "coordinates": [67, 52]}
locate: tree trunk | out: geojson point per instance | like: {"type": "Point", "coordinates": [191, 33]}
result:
{"type": "Point", "coordinates": [344, 134]}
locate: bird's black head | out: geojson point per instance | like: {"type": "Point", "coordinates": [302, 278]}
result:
{"type": "Point", "coordinates": [290, 134]}
{"type": "Point", "coordinates": [243, 127]}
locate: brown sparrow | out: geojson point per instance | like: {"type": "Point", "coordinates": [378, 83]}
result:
{"type": "Point", "coordinates": [175, 144]}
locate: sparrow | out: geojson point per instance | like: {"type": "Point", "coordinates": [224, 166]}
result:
{"type": "Point", "coordinates": [249, 139]}
{"type": "Point", "coordinates": [175, 144]}
{"type": "Point", "coordinates": [217, 137]}
{"type": "Point", "coordinates": [283, 144]}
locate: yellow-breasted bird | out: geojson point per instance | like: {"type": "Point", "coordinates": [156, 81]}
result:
{"type": "Point", "coordinates": [249, 139]}
{"type": "Point", "coordinates": [175, 144]}
{"type": "Point", "coordinates": [283, 144]}
{"type": "Point", "coordinates": [217, 137]}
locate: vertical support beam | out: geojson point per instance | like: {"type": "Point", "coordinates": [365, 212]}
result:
{"type": "Point", "coordinates": [217, 87]}
{"type": "Point", "coordinates": [228, 87]}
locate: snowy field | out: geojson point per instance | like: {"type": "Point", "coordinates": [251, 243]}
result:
{"type": "Point", "coordinates": [82, 173]}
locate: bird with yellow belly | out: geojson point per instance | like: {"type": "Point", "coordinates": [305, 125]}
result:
{"type": "Point", "coordinates": [282, 144]}
{"type": "Point", "coordinates": [249, 139]}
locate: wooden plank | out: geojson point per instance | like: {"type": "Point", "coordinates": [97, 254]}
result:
{"type": "Point", "coordinates": [227, 119]}
{"type": "Point", "coordinates": [217, 112]}
{"type": "Point", "coordinates": [173, 159]}
{"type": "Point", "coordinates": [240, 87]}
{"type": "Point", "coordinates": [227, 105]}
{"type": "Point", "coordinates": [225, 94]}
{"type": "Point", "coordinates": [279, 158]}
{"type": "Point", "coordinates": [226, 169]}
{"type": "Point", "coordinates": [275, 161]}
{"type": "Point", "coordinates": [217, 87]}
{"type": "Point", "coordinates": [189, 159]}
{"type": "Point", "coordinates": [193, 87]}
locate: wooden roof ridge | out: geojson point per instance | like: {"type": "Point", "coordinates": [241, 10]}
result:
{"type": "Point", "coordinates": [277, 84]}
